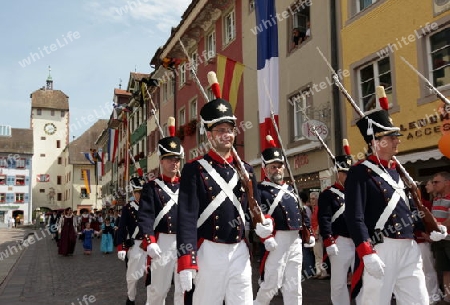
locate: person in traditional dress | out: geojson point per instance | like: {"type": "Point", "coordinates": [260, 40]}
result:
{"type": "Point", "coordinates": [68, 233]}
{"type": "Point", "coordinates": [107, 233]}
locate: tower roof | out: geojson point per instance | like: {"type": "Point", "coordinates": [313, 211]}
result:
{"type": "Point", "coordinates": [50, 99]}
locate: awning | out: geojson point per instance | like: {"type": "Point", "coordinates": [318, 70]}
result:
{"type": "Point", "coordinates": [421, 156]}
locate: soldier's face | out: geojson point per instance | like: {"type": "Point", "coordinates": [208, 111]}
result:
{"type": "Point", "coordinates": [222, 136]}
{"type": "Point", "coordinates": [275, 172]}
{"type": "Point", "coordinates": [170, 165]}
{"type": "Point", "coordinates": [387, 145]}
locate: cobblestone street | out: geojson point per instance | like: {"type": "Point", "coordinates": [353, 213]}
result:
{"type": "Point", "coordinates": [38, 275]}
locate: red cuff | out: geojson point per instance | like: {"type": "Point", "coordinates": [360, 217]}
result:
{"type": "Point", "coordinates": [364, 249]}
{"type": "Point", "coordinates": [264, 239]}
{"type": "Point", "coordinates": [121, 248]}
{"type": "Point", "coordinates": [188, 261]}
{"type": "Point", "coordinates": [148, 239]}
{"type": "Point", "coordinates": [329, 241]}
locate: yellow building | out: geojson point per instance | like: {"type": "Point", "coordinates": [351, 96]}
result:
{"type": "Point", "coordinates": [375, 35]}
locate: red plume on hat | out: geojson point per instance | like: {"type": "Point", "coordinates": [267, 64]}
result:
{"type": "Point", "coordinates": [346, 147]}
{"type": "Point", "coordinates": [270, 142]}
{"type": "Point", "coordinates": [382, 99]}
{"type": "Point", "coordinates": [171, 126]}
{"type": "Point", "coordinates": [214, 83]}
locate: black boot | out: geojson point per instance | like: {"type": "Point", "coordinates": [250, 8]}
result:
{"type": "Point", "coordinates": [129, 302]}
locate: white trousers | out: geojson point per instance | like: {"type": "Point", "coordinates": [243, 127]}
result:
{"type": "Point", "coordinates": [162, 270]}
{"type": "Point", "coordinates": [224, 273]}
{"type": "Point", "coordinates": [339, 269]}
{"type": "Point", "coordinates": [403, 276]}
{"type": "Point", "coordinates": [283, 269]}
{"type": "Point", "coordinates": [431, 278]}
{"type": "Point", "coordinates": [135, 268]}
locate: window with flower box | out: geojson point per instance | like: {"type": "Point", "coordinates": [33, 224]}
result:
{"type": "Point", "coordinates": [20, 180]}
{"type": "Point", "coordinates": [20, 197]}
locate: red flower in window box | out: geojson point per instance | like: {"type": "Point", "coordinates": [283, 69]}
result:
{"type": "Point", "coordinates": [191, 127]}
{"type": "Point", "coordinates": [181, 132]}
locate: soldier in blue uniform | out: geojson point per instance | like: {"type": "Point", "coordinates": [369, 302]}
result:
{"type": "Point", "coordinates": [158, 220]}
{"type": "Point", "coordinates": [212, 215]}
{"type": "Point", "coordinates": [282, 262]}
{"type": "Point", "coordinates": [128, 239]}
{"type": "Point", "coordinates": [333, 229]}
{"type": "Point", "coordinates": [381, 220]}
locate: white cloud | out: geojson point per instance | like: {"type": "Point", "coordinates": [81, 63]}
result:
{"type": "Point", "coordinates": [166, 13]}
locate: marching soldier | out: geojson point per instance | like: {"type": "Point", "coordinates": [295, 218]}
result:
{"type": "Point", "coordinates": [129, 238]}
{"type": "Point", "coordinates": [282, 263]}
{"type": "Point", "coordinates": [211, 215]}
{"type": "Point", "coordinates": [381, 219]}
{"type": "Point", "coordinates": [333, 229]}
{"type": "Point", "coordinates": [158, 220]}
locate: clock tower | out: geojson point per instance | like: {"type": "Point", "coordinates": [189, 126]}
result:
{"type": "Point", "coordinates": [50, 125]}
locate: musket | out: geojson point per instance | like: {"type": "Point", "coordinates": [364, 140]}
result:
{"type": "Point", "coordinates": [247, 184]}
{"type": "Point", "coordinates": [429, 84]}
{"type": "Point", "coordinates": [153, 111]}
{"type": "Point", "coordinates": [306, 232]}
{"type": "Point", "coordinates": [428, 219]}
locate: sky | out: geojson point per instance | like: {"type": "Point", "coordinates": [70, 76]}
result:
{"type": "Point", "coordinates": [90, 46]}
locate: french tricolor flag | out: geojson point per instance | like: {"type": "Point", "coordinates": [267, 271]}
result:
{"type": "Point", "coordinates": [113, 142]}
{"type": "Point", "coordinates": [268, 81]}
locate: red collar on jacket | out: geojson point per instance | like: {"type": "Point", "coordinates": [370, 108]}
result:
{"type": "Point", "coordinates": [220, 159]}
{"type": "Point", "coordinates": [386, 163]}
{"type": "Point", "coordinates": [338, 186]}
{"type": "Point", "coordinates": [166, 179]}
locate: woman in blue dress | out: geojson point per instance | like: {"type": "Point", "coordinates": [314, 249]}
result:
{"type": "Point", "coordinates": [107, 237]}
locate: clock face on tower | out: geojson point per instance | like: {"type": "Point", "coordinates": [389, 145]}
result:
{"type": "Point", "coordinates": [49, 128]}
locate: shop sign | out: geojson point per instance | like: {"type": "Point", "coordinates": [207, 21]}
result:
{"type": "Point", "coordinates": [429, 125]}
{"type": "Point", "coordinates": [300, 160]}
{"type": "Point", "coordinates": [321, 128]}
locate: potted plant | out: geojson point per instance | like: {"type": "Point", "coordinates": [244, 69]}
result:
{"type": "Point", "coordinates": [191, 127]}
{"type": "Point", "coordinates": [181, 132]}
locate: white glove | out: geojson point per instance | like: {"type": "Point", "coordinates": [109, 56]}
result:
{"type": "Point", "coordinates": [311, 243]}
{"type": "Point", "coordinates": [270, 244]}
{"type": "Point", "coordinates": [437, 236]}
{"type": "Point", "coordinates": [186, 277]}
{"type": "Point", "coordinates": [332, 250]}
{"type": "Point", "coordinates": [374, 265]}
{"type": "Point", "coordinates": [265, 229]}
{"type": "Point", "coordinates": [121, 255]}
{"type": "Point", "coordinates": [154, 251]}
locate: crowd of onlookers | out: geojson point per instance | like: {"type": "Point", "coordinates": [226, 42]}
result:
{"type": "Point", "coordinates": [67, 227]}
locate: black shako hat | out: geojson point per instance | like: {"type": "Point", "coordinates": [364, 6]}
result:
{"type": "Point", "coordinates": [377, 124]}
{"type": "Point", "coordinates": [137, 183]}
{"type": "Point", "coordinates": [218, 110]}
{"type": "Point", "coordinates": [272, 153]}
{"type": "Point", "coordinates": [343, 163]}
{"type": "Point", "coordinates": [171, 145]}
